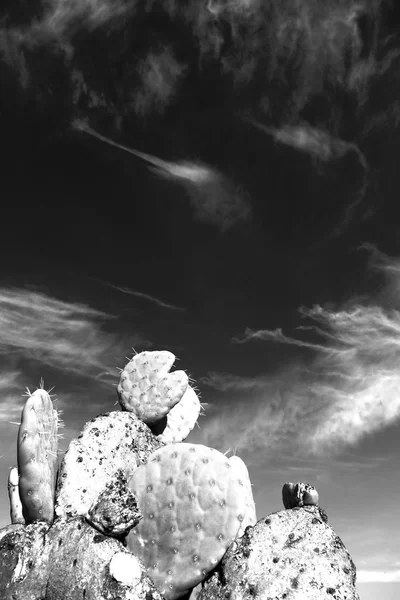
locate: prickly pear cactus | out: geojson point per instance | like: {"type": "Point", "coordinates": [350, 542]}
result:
{"type": "Point", "coordinates": [181, 418]}
{"type": "Point", "coordinates": [193, 504]}
{"type": "Point", "coordinates": [37, 457]}
{"type": "Point", "coordinates": [250, 517]}
{"type": "Point", "coordinates": [13, 494]}
{"type": "Point", "coordinates": [147, 388]}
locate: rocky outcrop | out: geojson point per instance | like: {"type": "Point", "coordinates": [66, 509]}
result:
{"type": "Point", "coordinates": [290, 555]}
{"type": "Point", "coordinates": [69, 561]}
{"type": "Point", "coordinates": [132, 513]}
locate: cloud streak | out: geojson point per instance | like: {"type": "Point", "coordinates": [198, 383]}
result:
{"type": "Point", "coordinates": [153, 299]}
{"type": "Point", "coordinates": [62, 335]}
{"type": "Point", "coordinates": [275, 335]}
{"type": "Point", "coordinates": [213, 196]}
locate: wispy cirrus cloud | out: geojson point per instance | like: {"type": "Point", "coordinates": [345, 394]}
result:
{"type": "Point", "coordinates": [130, 292]}
{"type": "Point", "coordinates": [214, 198]}
{"type": "Point", "coordinates": [10, 394]}
{"type": "Point", "coordinates": [275, 335]}
{"type": "Point", "coordinates": [345, 390]}
{"type": "Point", "coordinates": [63, 335]}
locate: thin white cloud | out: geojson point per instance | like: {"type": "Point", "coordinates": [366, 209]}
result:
{"type": "Point", "coordinates": [63, 335]}
{"type": "Point", "coordinates": [275, 335]}
{"type": "Point", "coordinates": [324, 147]}
{"type": "Point", "coordinates": [148, 297]}
{"type": "Point", "coordinates": [10, 395]}
{"type": "Point", "coordinates": [319, 144]}
{"type": "Point", "coordinates": [387, 576]}
{"type": "Point", "coordinates": [215, 199]}
{"type": "Point", "coordinates": [61, 18]}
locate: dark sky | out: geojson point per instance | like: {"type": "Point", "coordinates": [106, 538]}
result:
{"type": "Point", "coordinates": [219, 179]}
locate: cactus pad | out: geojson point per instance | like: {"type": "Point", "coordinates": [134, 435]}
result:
{"type": "Point", "coordinates": [181, 418]}
{"type": "Point", "coordinates": [147, 388]}
{"type": "Point", "coordinates": [250, 517]}
{"type": "Point", "coordinates": [193, 505]}
{"type": "Point", "coordinates": [15, 501]}
{"type": "Point", "coordinates": [37, 457]}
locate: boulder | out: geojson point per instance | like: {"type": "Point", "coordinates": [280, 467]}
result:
{"type": "Point", "coordinates": [24, 564]}
{"type": "Point", "coordinates": [115, 511]}
{"type": "Point", "coordinates": [116, 441]}
{"type": "Point", "coordinates": [69, 561]}
{"type": "Point", "coordinates": [289, 555]}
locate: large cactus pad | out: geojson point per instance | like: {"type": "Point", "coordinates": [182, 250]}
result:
{"type": "Point", "coordinates": [193, 504]}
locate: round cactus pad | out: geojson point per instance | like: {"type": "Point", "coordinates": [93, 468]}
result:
{"type": "Point", "coordinates": [147, 388]}
{"type": "Point", "coordinates": [193, 503]}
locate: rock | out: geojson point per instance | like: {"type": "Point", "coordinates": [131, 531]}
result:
{"type": "Point", "coordinates": [81, 566]}
{"type": "Point", "coordinates": [115, 511]}
{"type": "Point", "coordinates": [69, 561]}
{"type": "Point", "coordinates": [299, 494]}
{"type": "Point", "coordinates": [108, 443]}
{"type": "Point", "coordinates": [24, 565]}
{"type": "Point", "coordinates": [291, 554]}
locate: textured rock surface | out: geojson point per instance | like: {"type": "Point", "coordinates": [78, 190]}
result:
{"type": "Point", "coordinates": [115, 511]}
{"type": "Point", "coordinates": [24, 565]}
{"type": "Point", "coordinates": [109, 443]}
{"type": "Point", "coordinates": [69, 561]}
{"type": "Point", "coordinates": [290, 555]}
{"type": "Point", "coordinates": [82, 568]}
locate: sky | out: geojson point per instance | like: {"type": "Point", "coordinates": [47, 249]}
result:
{"type": "Point", "coordinates": [218, 179]}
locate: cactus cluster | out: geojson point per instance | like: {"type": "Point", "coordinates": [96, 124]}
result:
{"type": "Point", "coordinates": [175, 506]}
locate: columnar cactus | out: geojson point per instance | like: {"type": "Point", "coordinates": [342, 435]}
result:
{"type": "Point", "coordinates": [193, 504]}
{"type": "Point", "coordinates": [147, 388]}
{"type": "Point", "coordinates": [37, 457]}
{"type": "Point", "coordinates": [13, 494]}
